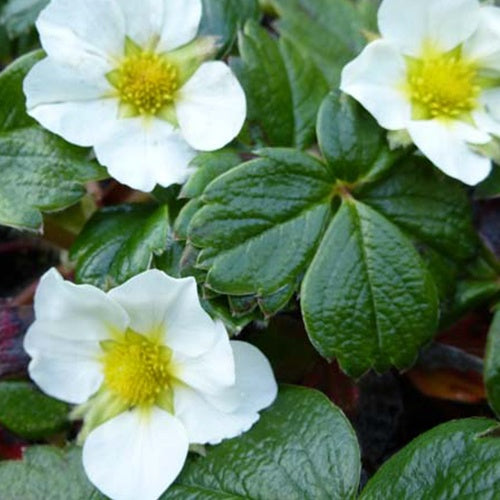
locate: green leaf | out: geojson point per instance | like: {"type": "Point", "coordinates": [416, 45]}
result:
{"type": "Point", "coordinates": [49, 473]}
{"type": "Point", "coordinates": [38, 171]}
{"type": "Point", "coordinates": [431, 207]}
{"type": "Point", "coordinates": [223, 18]}
{"type": "Point", "coordinates": [27, 412]}
{"type": "Point", "coordinates": [492, 364]}
{"type": "Point", "coordinates": [328, 31]}
{"type": "Point", "coordinates": [303, 447]}
{"type": "Point", "coordinates": [119, 242]}
{"type": "Point", "coordinates": [459, 459]}
{"type": "Point", "coordinates": [283, 87]}
{"type": "Point", "coordinates": [208, 167]}
{"type": "Point", "coordinates": [367, 298]}
{"type": "Point", "coordinates": [19, 16]}
{"type": "Point", "coordinates": [262, 223]}
{"type": "Point", "coordinates": [351, 141]}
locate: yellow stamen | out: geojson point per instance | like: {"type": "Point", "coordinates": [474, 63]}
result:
{"type": "Point", "coordinates": [146, 81]}
{"type": "Point", "coordinates": [136, 369]}
{"type": "Point", "coordinates": [443, 86]}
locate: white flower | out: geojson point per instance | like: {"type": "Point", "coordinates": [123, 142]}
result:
{"type": "Point", "coordinates": [151, 371]}
{"type": "Point", "coordinates": [435, 73]}
{"type": "Point", "coordinates": [128, 78]}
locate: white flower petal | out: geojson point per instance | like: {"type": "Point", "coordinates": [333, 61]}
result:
{"type": "Point", "coordinates": [446, 146]}
{"type": "Point", "coordinates": [443, 24]}
{"type": "Point", "coordinates": [142, 153]}
{"type": "Point", "coordinates": [135, 455]}
{"type": "Point", "coordinates": [180, 23]}
{"type": "Point", "coordinates": [71, 378]}
{"type": "Point", "coordinates": [71, 32]}
{"type": "Point", "coordinates": [211, 418]}
{"type": "Point", "coordinates": [204, 422]}
{"type": "Point", "coordinates": [81, 307]}
{"type": "Point", "coordinates": [157, 303]}
{"type": "Point", "coordinates": [212, 371]}
{"type": "Point", "coordinates": [70, 103]}
{"type": "Point", "coordinates": [63, 341]}
{"type": "Point", "coordinates": [211, 107]}
{"type": "Point", "coordinates": [376, 78]}
{"type": "Point", "coordinates": [484, 45]}
{"type": "Point", "coordinates": [486, 122]}
{"type": "Point", "coordinates": [491, 99]}
{"type": "Point", "coordinates": [143, 20]}
{"type": "Point", "coordinates": [255, 387]}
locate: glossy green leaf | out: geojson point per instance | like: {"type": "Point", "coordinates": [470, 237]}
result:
{"type": "Point", "coordinates": [262, 222]}
{"type": "Point", "coordinates": [49, 473]}
{"type": "Point", "coordinates": [328, 31]}
{"type": "Point", "coordinates": [208, 167]}
{"type": "Point", "coordinates": [303, 448]}
{"type": "Point", "coordinates": [223, 19]}
{"type": "Point", "coordinates": [38, 171]}
{"type": "Point", "coordinates": [27, 412]}
{"type": "Point", "coordinates": [19, 16]}
{"type": "Point", "coordinates": [367, 298]}
{"type": "Point", "coordinates": [119, 242]}
{"type": "Point", "coordinates": [492, 364]}
{"type": "Point", "coordinates": [459, 460]}
{"type": "Point", "coordinates": [426, 204]}
{"type": "Point", "coordinates": [283, 87]}
{"type": "Point", "coordinates": [352, 143]}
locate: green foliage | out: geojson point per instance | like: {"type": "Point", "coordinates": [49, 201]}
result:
{"type": "Point", "coordinates": [303, 447]}
{"type": "Point", "coordinates": [492, 364]}
{"type": "Point", "coordinates": [19, 16]}
{"type": "Point", "coordinates": [427, 205]}
{"type": "Point", "coordinates": [49, 473]}
{"type": "Point", "coordinates": [351, 142]}
{"type": "Point", "coordinates": [302, 436]}
{"type": "Point", "coordinates": [119, 242]}
{"type": "Point", "coordinates": [262, 222]}
{"type": "Point", "coordinates": [223, 18]}
{"type": "Point", "coordinates": [367, 298]}
{"type": "Point", "coordinates": [328, 31]}
{"type": "Point", "coordinates": [28, 413]}
{"type": "Point", "coordinates": [38, 171]}
{"type": "Point", "coordinates": [459, 459]}
{"type": "Point", "coordinates": [284, 89]}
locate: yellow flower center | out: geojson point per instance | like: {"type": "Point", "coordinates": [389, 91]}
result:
{"type": "Point", "coordinates": [146, 81]}
{"type": "Point", "coordinates": [136, 369]}
{"type": "Point", "coordinates": [442, 86]}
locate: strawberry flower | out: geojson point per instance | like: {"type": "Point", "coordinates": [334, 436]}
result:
{"type": "Point", "coordinates": [151, 374]}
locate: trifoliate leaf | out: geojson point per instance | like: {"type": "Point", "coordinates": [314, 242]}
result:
{"type": "Point", "coordinates": [262, 228]}
{"type": "Point", "coordinates": [38, 170]}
